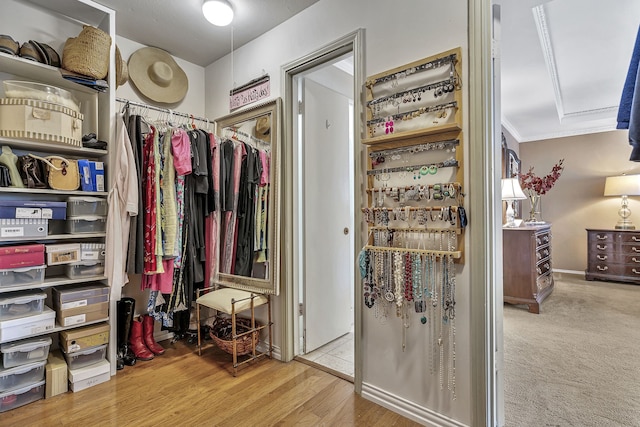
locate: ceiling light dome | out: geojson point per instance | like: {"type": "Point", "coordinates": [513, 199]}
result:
{"type": "Point", "coordinates": [218, 12]}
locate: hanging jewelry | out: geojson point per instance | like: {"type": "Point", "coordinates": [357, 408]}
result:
{"type": "Point", "coordinates": [398, 277]}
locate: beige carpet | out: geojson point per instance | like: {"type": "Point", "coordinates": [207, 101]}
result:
{"type": "Point", "coordinates": [577, 363]}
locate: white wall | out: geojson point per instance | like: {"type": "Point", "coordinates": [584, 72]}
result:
{"type": "Point", "coordinates": [396, 33]}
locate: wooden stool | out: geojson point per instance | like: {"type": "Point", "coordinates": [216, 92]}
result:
{"type": "Point", "coordinates": [233, 301]}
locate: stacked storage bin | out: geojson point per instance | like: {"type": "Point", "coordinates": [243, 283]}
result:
{"type": "Point", "coordinates": [23, 362]}
{"type": "Point", "coordinates": [87, 215]}
{"type": "Point", "coordinates": [84, 349]}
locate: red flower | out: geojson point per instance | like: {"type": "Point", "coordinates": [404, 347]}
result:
{"type": "Point", "coordinates": [533, 184]}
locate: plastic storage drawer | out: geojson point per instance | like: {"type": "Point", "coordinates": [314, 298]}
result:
{"type": "Point", "coordinates": [87, 224]}
{"type": "Point", "coordinates": [21, 396]}
{"type": "Point", "coordinates": [20, 376]}
{"type": "Point", "coordinates": [82, 358]}
{"type": "Point", "coordinates": [23, 352]}
{"type": "Point", "coordinates": [27, 276]}
{"type": "Point", "coordinates": [21, 304]}
{"type": "Point", "coordinates": [85, 269]}
{"type": "Point", "coordinates": [81, 206]}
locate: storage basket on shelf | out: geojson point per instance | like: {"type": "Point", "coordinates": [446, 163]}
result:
{"type": "Point", "coordinates": [88, 54]}
{"type": "Point", "coordinates": [221, 334]}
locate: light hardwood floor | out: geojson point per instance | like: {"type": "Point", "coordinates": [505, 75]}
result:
{"type": "Point", "coordinates": [181, 389]}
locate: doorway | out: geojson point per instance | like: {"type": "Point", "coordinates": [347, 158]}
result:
{"type": "Point", "coordinates": [324, 206]}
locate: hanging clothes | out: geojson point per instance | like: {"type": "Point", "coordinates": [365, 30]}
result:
{"type": "Point", "coordinates": [230, 216]}
{"type": "Point", "coordinates": [135, 255]}
{"type": "Point", "coordinates": [245, 240]}
{"type": "Point", "coordinates": [123, 205]}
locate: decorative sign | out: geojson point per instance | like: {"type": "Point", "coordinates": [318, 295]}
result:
{"type": "Point", "coordinates": [253, 91]}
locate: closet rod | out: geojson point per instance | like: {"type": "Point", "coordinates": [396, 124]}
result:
{"type": "Point", "coordinates": [164, 110]}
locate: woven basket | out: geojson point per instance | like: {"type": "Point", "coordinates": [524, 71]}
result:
{"type": "Point", "coordinates": [88, 54]}
{"type": "Point", "coordinates": [221, 335]}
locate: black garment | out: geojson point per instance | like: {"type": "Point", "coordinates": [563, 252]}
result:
{"type": "Point", "coordinates": [250, 178]}
{"type": "Point", "coordinates": [135, 253]}
{"type": "Point", "coordinates": [226, 176]}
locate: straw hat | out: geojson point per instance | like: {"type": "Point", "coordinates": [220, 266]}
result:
{"type": "Point", "coordinates": [122, 73]}
{"type": "Point", "coordinates": [263, 128]}
{"type": "Point", "coordinates": [157, 76]}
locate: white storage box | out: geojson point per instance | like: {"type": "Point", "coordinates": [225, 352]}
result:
{"type": "Point", "coordinates": [26, 351]}
{"type": "Point", "coordinates": [15, 398]}
{"type": "Point", "coordinates": [20, 376]}
{"type": "Point", "coordinates": [24, 327]}
{"type": "Point", "coordinates": [86, 357]}
{"type": "Point", "coordinates": [63, 254]}
{"type": "Point", "coordinates": [21, 304]}
{"type": "Point", "coordinates": [81, 206]}
{"type": "Point", "coordinates": [92, 251]}
{"type": "Point", "coordinates": [89, 376]}
{"type": "Point", "coordinates": [39, 120]}
{"type": "Point", "coordinates": [27, 276]}
{"type": "Point", "coordinates": [85, 269]}
{"type": "Point", "coordinates": [86, 224]}
{"type": "Point", "coordinates": [15, 228]}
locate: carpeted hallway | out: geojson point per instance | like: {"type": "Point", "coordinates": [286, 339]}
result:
{"type": "Point", "coordinates": [577, 363]}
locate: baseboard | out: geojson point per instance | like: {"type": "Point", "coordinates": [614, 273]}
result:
{"type": "Point", "coordinates": [276, 352]}
{"type": "Point", "coordinates": [406, 408]}
{"type": "Point", "coordinates": [573, 274]}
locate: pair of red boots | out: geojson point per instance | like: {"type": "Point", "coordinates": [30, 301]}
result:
{"type": "Point", "coordinates": [141, 340]}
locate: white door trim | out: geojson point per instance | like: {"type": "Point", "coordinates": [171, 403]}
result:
{"type": "Point", "coordinates": [353, 42]}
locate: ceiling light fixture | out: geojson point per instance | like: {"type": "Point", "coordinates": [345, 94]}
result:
{"type": "Point", "coordinates": [218, 12]}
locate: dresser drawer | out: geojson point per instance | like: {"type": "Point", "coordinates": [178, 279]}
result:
{"type": "Point", "coordinates": [543, 239]}
{"type": "Point", "coordinates": [543, 253]}
{"type": "Point", "coordinates": [615, 269]}
{"type": "Point", "coordinates": [543, 282]}
{"type": "Point", "coordinates": [543, 267]}
{"type": "Point", "coordinates": [614, 257]}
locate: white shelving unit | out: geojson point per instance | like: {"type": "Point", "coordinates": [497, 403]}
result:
{"type": "Point", "coordinates": [62, 19]}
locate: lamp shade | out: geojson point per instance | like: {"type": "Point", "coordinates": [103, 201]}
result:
{"type": "Point", "coordinates": [218, 12]}
{"type": "Point", "coordinates": [623, 185]}
{"type": "Point", "coordinates": [511, 189]}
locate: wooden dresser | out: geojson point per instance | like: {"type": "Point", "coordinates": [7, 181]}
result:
{"type": "Point", "coordinates": [613, 255]}
{"type": "Point", "coordinates": [527, 273]}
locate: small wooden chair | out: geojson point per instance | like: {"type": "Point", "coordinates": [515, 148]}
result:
{"type": "Point", "coordinates": [233, 301]}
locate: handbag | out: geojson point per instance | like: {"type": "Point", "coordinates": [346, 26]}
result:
{"type": "Point", "coordinates": [32, 172]}
{"type": "Point", "coordinates": [62, 174]}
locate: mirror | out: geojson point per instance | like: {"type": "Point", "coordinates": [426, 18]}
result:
{"type": "Point", "coordinates": [249, 199]}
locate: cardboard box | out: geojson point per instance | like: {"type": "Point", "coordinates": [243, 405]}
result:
{"type": "Point", "coordinates": [27, 326]}
{"type": "Point", "coordinates": [85, 337]}
{"type": "Point", "coordinates": [12, 228]}
{"type": "Point", "coordinates": [33, 209]}
{"type": "Point", "coordinates": [82, 378]}
{"type": "Point", "coordinates": [97, 175]}
{"type": "Point", "coordinates": [21, 256]}
{"type": "Point", "coordinates": [56, 375]}
{"type": "Point", "coordinates": [83, 314]}
{"type": "Point", "coordinates": [86, 183]}
{"type": "Point", "coordinates": [77, 293]}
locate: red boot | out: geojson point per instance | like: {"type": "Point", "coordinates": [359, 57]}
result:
{"type": "Point", "coordinates": [151, 343]}
{"type": "Point", "coordinates": [136, 341]}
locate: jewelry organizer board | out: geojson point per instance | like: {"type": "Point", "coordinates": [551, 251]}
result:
{"type": "Point", "coordinates": [420, 248]}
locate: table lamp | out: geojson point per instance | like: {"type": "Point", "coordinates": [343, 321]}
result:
{"type": "Point", "coordinates": [511, 191]}
{"type": "Point", "coordinates": [623, 185]}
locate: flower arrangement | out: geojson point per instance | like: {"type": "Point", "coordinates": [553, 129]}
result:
{"type": "Point", "coordinates": [535, 185]}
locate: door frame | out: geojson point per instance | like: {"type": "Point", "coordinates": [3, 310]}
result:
{"type": "Point", "coordinates": [353, 42]}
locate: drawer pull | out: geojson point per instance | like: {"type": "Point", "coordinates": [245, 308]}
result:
{"type": "Point", "coordinates": [634, 259]}
{"type": "Point", "coordinates": [605, 268]}
{"type": "Point", "coordinates": [602, 237]}
{"type": "Point", "coordinates": [601, 247]}
{"type": "Point", "coordinates": [538, 255]}
{"type": "Point", "coordinates": [546, 238]}
{"type": "Point", "coordinates": [634, 249]}
{"type": "Point", "coordinates": [603, 257]}
{"type": "Point", "coordinates": [635, 238]}
{"type": "Point", "coordinates": [635, 271]}
{"type": "Point", "coordinates": [546, 265]}
{"type": "Point", "coordinates": [546, 252]}
{"type": "Point", "coordinates": [539, 271]}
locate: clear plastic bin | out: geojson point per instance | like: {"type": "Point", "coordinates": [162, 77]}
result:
{"type": "Point", "coordinates": [21, 304]}
{"type": "Point", "coordinates": [82, 206]}
{"type": "Point", "coordinates": [27, 276]}
{"type": "Point", "coordinates": [20, 376]}
{"type": "Point", "coordinates": [23, 352]}
{"type": "Point", "coordinates": [87, 224]}
{"type": "Point", "coordinates": [85, 269]}
{"type": "Point", "coordinates": [21, 396]}
{"type": "Point", "coordinates": [89, 356]}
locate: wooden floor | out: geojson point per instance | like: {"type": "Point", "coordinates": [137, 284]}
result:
{"type": "Point", "coordinates": [181, 389]}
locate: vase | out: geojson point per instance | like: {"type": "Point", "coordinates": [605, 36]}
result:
{"type": "Point", "coordinates": [534, 210]}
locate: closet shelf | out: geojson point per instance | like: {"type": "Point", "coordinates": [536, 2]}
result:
{"type": "Point", "coordinates": [50, 237]}
{"type": "Point", "coordinates": [50, 191]}
{"type": "Point", "coordinates": [415, 229]}
{"type": "Point", "coordinates": [58, 328]}
{"type": "Point", "coordinates": [35, 145]}
{"type": "Point", "coordinates": [53, 281]}
{"type": "Point", "coordinates": [25, 68]}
